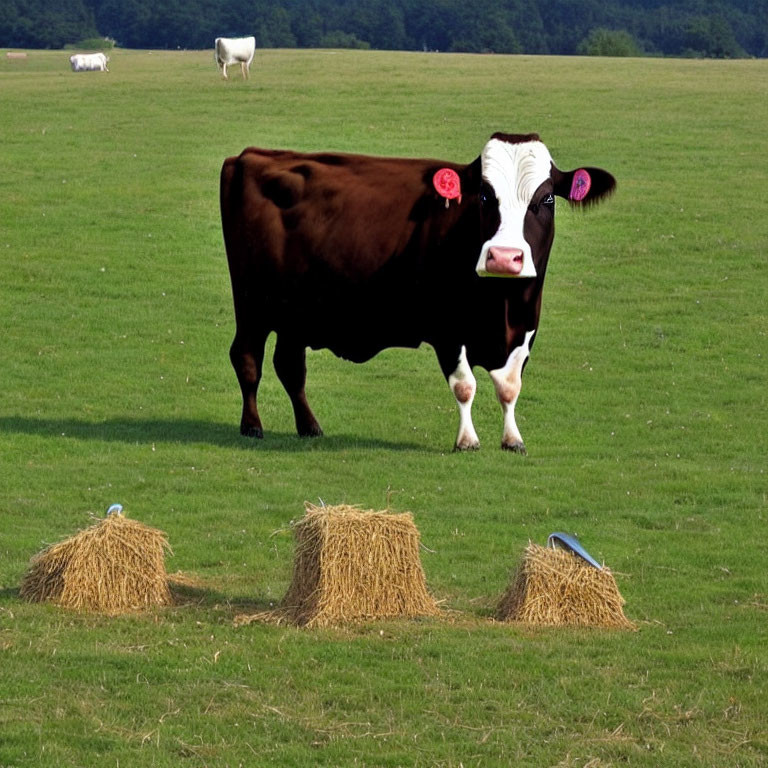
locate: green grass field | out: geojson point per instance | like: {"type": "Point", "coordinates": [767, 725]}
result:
{"type": "Point", "coordinates": [643, 410]}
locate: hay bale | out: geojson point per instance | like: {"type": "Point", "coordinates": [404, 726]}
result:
{"type": "Point", "coordinates": [353, 565]}
{"type": "Point", "coordinates": [115, 566]}
{"type": "Point", "coordinates": [555, 587]}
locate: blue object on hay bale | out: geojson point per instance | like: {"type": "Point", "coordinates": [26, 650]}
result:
{"type": "Point", "coordinates": [572, 543]}
{"type": "Point", "coordinates": [115, 509]}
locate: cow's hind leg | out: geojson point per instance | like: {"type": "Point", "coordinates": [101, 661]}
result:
{"type": "Point", "coordinates": [290, 361]}
{"type": "Point", "coordinates": [247, 356]}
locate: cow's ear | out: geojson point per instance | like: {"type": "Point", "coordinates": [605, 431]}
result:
{"type": "Point", "coordinates": [584, 186]}
{"type": "Point", "coordinates": [471, 177]}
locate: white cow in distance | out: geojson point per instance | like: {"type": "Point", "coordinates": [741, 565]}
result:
{"type": "Point", "coordinates": [234, 50]}
{"type": "Point", "coordinates": [85, 62]}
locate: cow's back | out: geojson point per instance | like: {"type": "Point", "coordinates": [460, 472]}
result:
{"type": "Point", "coordinates": [342, 214]}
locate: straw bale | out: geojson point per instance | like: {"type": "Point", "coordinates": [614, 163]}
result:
{"type": "Point", "coordinates": [555, 587]}
{"type": "Point", "coordinates": [114, 566]}
{"type": "Point", "coordinates": [352, 565]}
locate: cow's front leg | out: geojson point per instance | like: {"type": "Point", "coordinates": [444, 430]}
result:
{"type": "Point", "coordinates": [463, 384]}
{"type": "Point", "coordinates": [508, 382]}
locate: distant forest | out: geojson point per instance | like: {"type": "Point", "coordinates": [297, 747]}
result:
{"type": "Point", "coordinates": [695, 28]}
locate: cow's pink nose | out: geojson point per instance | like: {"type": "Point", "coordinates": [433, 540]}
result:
{"type": "Point", "coordinates": [504, 261]}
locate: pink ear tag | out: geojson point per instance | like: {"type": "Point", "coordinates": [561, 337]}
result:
{"type": "Point", "coordinates": [582, 181]}
{"type": "Point", "coordinates": [447, 184]}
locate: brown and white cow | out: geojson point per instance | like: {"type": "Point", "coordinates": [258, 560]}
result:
{"type": "Point", "coordinates": [356, 254]}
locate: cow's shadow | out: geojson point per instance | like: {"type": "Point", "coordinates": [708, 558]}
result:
{"type": "Point", "coordinates": [202, 595]}
{"type": "Point", "coordinates": [197, 595]}
{"type": "Point", "coordinates": [188, 431]}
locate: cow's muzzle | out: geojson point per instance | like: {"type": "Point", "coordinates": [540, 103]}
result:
{"type": "Point", "coordinates": [504, 261]}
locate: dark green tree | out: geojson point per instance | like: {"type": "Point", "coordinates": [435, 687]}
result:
{"type": "Point", "coordinates": [484, 28]}
{"type": "Point", "coordinates": [609, 42]}
{"type": "Point", "coordinates": [272, 29]}
{"type": "Point", "coordinates": [711, 37]}
{"type": "Point", "coordinates": [45, 23]}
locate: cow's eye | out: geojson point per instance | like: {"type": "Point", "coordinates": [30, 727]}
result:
{"type": "Point", "coordinates": [547, 202]}
{"type": "Point", "coordinates": [486, 195]}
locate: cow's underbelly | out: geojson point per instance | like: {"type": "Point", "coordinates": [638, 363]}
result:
{"type": "Point", "coordinates": [357, 329]}
{"type": "Point", "coordinates": [355, 332]}
{"type": "Point", "coordinates": [360, 352]}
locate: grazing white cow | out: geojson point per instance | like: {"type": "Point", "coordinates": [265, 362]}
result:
{"type": "Point", "coordinates": [85, 62]}
{"type": "Point", "coordinates": [234, 50]}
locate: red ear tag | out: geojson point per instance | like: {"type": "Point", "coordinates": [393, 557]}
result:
{"type": "Point", "coordinates": [447, 184]}
{"type": "Point", "coordinates": [582, 181]}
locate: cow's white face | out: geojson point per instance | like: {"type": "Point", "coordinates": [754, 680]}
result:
{"type": "Point", "coordinates": [515, 172]}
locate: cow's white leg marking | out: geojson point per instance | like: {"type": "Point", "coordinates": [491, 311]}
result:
{"type": "Point", "coordinates": [508, 382]}
{"type": "Point", "coordinates": [464, 385]}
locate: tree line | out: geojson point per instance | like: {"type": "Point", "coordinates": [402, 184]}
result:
{"type": "Point", "coordinates": [697, 28]}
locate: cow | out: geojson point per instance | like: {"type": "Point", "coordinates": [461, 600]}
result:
{"type": "Point", "coordinates": [85, 62]}
{"type": "Point", "coordinates": [356, 254]}
{"type": "Point", "coordinates": [234, 50]}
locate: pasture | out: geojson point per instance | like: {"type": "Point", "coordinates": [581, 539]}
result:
{"type": "Point", "coordinates": [643, 409]}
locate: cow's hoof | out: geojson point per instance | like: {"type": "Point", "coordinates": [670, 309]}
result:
{"type": "Point", "coordinates": [514, 448]}
{"type": "Point", "coordinates": [315, 431]}
{"type": "Point", "coordinates": [256, 432]}
{"type": "Point", "coordinates": [466, 447]}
